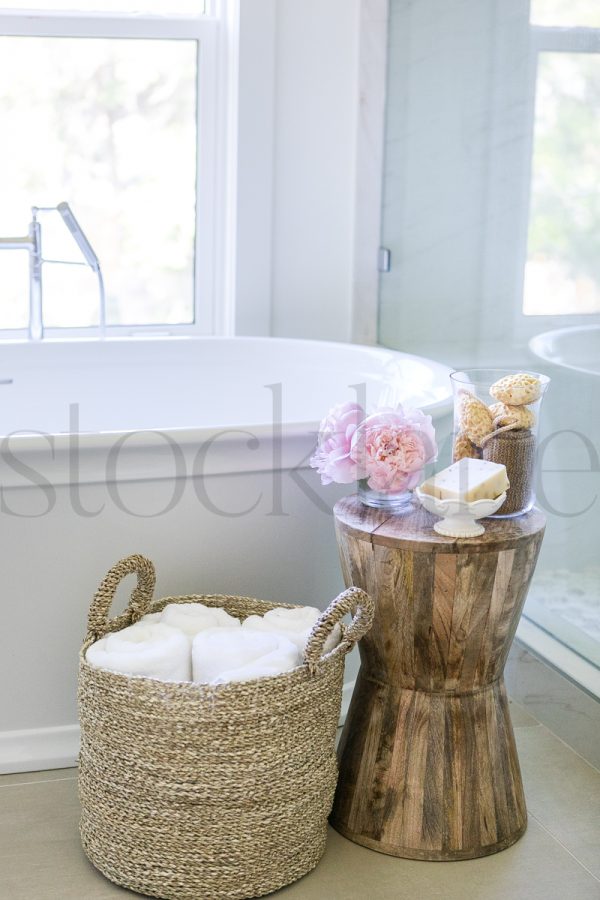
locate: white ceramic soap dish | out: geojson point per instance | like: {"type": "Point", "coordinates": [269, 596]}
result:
{"type": "Point", "coordinates": [457, 516]}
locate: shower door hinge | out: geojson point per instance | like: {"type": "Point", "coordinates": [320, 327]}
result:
{"type": "Point", "coordinates": [384, 259]}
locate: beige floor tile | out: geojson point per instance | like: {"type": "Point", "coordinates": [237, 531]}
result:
{"type": "Point", "coordinates": [535, 868]}
{"type": "Point", "coordinates": [41, 859]}
{"type": "Point", "coordinates": [563, 793]}
{"type": "Point", "coordinates": [520, 717]}
{"type": "Point", "coordinates": [40, 853]}
{"type": "Point", "coordinates": [35, 777]}
{"type": "Point", "coordinates": [560, 705]}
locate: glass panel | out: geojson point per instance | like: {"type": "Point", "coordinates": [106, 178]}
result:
{"type": "Point", "coordinates": [452, 194]}
{"type": "Point", "coordinates": [147, 7]}
{"type": "Point", "coordinates": [584, 13]}
{"type": "Point", "coordinates": [562, 274]}
{"type": "Point", "coordinates": [110, 127]}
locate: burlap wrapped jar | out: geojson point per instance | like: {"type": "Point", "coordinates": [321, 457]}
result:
{"type": "Point", "coordinates": [198, 792]}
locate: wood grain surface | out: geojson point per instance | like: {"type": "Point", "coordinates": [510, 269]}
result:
{"type": "Point", "coordinates": [428, 765]}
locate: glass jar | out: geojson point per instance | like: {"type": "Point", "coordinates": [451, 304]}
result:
{"type": "Point", "coordinates": [396, 502]}
{"type": "Point", "coordinates": [496, 418]}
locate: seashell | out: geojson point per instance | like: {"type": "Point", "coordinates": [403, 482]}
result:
{"type": "Point", "coordinates": [517, 390]}
{"type": "Point", "coordinates": [517, 416]}
{"type": "Point", "coordinates": [464, 448]}
{"type": "Point", "coordinates": [474, 417]}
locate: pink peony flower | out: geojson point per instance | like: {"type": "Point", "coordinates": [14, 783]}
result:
{"type": "Point", "coordinates": [392, 447]}
{"type": "Point", "coordinates": [332, 457]}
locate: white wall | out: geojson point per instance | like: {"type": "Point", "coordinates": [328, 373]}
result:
{"type": "Point", "coordinates": [315, 115]}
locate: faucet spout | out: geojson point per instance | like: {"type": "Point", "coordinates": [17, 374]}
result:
{"type": "Point", "coordinates": [15, 243]}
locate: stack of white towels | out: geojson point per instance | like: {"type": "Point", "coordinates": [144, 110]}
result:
{"type": "Point", "coordinates": [204, 644]}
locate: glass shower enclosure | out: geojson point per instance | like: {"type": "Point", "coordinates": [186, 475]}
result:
{"type": "Point", "coordinates": [491, 216]}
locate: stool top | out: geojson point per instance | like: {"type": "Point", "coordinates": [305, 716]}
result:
{"type": "Point", "coordinates": [414, 529]}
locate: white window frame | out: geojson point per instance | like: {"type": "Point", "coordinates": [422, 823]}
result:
{"type": "Point", "coordinates": [216, 34]}
{"type": "Point", "coordinates": [545, 39]}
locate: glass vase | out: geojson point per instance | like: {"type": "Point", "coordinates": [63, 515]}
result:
{"type": "Point", "coordinates": [396, 502]}
{"type": "Point", "coordinates": [500, 429]}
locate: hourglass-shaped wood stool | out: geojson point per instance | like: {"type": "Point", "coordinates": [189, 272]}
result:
{"type": "Point", "coordinates": [428, 763]}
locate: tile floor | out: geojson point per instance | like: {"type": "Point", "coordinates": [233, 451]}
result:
{"type": "Point", "coordinates": [557, 859]}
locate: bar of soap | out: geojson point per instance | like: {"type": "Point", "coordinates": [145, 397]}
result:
{"type": "Point", "coordinates": [468, 480]}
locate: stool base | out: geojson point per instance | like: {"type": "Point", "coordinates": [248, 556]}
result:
{"type": "Point", "coordinates": [427, 775]}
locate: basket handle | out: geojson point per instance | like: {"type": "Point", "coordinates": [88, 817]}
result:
{"type": "Point", "coordinates": [98, 621]}
{"type": "Point", "coordinates": [353, 600]}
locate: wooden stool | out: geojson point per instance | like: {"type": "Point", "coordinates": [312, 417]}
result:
{"type": "Point", "coordinates": [428, 764]}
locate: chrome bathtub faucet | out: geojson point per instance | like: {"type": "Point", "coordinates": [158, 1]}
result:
{"type": "Point", "coordinates": [32, 242]}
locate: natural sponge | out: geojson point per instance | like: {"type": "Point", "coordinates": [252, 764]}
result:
{"type": "Point", "coordinates": [464, 448]}
{"type": "Point", "coordinates": [474, 417]}
{"type": "Point", "coordinates": [517, 416]}
{"type": "Point", "coordinates": [517, 390]}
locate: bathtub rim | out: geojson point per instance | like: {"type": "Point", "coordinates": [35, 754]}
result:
{"type": "Point", "coordinates": [147, 454]}
{"type": "Point", "coordinates": [187, 434]}
{"type": "Point", "coordinates": [538, 341]}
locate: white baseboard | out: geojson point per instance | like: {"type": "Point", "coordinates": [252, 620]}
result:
{"type": "Point", "coordinates": [35, 749]}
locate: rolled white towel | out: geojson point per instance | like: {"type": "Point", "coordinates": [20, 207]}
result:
{"type": "Point", "coordinates": [296, 624]}
{"type": "Point", "coordinates": [152, 649]}
{"type": "Point", "coordinates": [151, 617]}
{"type": "Point", "coordinates": [220, 655]}
{"type": "Point", "coordinates": [192, 618]}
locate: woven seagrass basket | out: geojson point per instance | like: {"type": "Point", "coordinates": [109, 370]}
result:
{"type": "Point", "coordinates": [207, 792]}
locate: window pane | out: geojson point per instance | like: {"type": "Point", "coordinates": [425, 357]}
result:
{"type": "Point", "coordinates": [584, 13]}
{"type": "Point", "coordinates": [14, 288]}
{"type": "Point", "coordinates": [110, 127]}
{"type": "Point", "coordinates": [148, 7]}
{"type": "Point", "coordinates": [563, 267]}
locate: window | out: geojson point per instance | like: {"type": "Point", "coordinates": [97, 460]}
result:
{"type": "Point", "coordinates": [112, 106]}
{"type": "Point", "coordinates": [566, 13]}
{"type": "Point", "coordinates": [562, 271]}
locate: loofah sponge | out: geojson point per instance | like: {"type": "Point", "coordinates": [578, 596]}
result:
{"type": "Point", "coordinates": [474, 417]}
{"type": "Point", "coordinates": [517, 390]}
{"type": "Point", "coordinates": [517, 416]}
{"type": "Point", "coordinates": [464, 448]}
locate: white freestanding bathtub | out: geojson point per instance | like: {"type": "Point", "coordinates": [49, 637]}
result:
{"type": "Point", "coordinates": [192, 451]}
{"type": "Point", "coordinates": [576, 348]}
